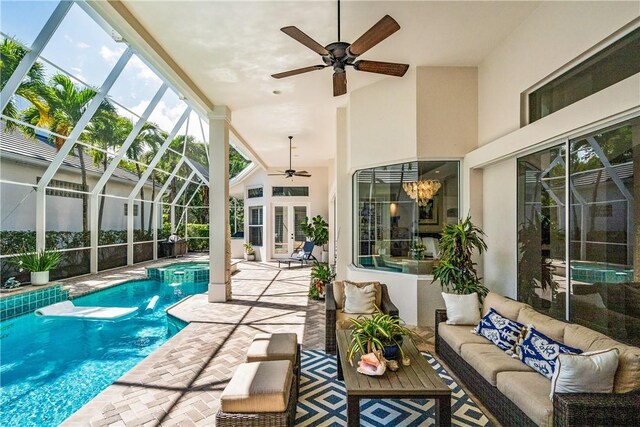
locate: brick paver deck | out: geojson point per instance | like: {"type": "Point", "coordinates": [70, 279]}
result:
{"type": "Point", "coordinates": [179, 384]}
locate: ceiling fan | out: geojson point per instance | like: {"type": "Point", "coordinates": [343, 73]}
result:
{"type": "Point", "coordinates": [290, 173]}
{"type": "Point", "coordinates": [339, 54]}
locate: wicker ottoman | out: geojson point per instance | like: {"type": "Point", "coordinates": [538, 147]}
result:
{"type": "Point", "coordinates": [280, 346]}
{"type": "Point", "coordinates": [259, 394]}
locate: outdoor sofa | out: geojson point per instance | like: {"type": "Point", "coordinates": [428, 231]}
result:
{"type": "Point", "coordinates": [518, 396]}
{"type": "Point", "coordinates": [337, 319]}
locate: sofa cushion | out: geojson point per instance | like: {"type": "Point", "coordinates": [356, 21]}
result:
{"type": "Point", "coordinates": [343, 322]}
{"type": "Point", "coordinates": [338, 292]}
{"type": "Point", "coordinates": [456, 335]}
{"type": "Point", "coordinates": [500, 330]}
{"type": "Point", "coordinates": [628, 373]}
{"type": "Point", "coordinates": [488, 360]}
{"type": "Point", "coordinates": [503, 305]}
{"type": "Point", "coordinates": [581, 337]}
{"type": "Point", "coordinates": [529, 391]}
{"type": "Point", "coordinates": [258, 387]}
{"type": "Point", "coordinates": [549, 326]}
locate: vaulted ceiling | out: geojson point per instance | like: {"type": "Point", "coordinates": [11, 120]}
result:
{"type": "Point", "coordinates": [230, 48]}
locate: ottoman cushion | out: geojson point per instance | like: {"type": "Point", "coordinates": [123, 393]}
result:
{"type": "Point", "coordinates": [282, 346]}
{"type": "Point", "coordinates": [258, 387]}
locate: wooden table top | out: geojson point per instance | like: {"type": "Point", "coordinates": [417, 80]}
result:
{"type": "Point", "coordinates": [417, 379]}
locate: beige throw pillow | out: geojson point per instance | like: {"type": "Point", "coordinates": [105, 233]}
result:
{"type": "Point", "coordinates": [359, 299]}
{"type": "Point", "coordinates": [462, 309]}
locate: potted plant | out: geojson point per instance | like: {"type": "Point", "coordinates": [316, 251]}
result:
{"type": "Point", "coordinates": [318, 232]}
{"type": "Point", "coordinates": [39, 264]}
{"type": "Point", "coordinates": [321, 276]}
{"type": "Point", "coordinates": [249, 252]}
{"type": "Point", "coordinates": [456, 269]}
{"type": "Point", "coordinates": [417, 249]}
{"type": "Point", "coordinates": [380, 332]}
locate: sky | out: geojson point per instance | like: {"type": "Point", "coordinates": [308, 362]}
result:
{"type": "Point", "coordinates": [88, 53]}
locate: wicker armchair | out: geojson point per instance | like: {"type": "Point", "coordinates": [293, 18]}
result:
{"type": "Point", "coordinates": [569, 409]}
{"type": "Point", "coordinates": [330, 306]}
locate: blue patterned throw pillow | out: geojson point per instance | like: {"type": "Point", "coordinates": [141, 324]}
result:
{"type": "Point", "coordinates": [499, 330]}
{"type": "Point", "coordinates": [541, 352]}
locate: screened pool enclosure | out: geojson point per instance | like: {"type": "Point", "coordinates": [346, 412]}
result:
{"type": "Point", "coordinates": [101, 156]}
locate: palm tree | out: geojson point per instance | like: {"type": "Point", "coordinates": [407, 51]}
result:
{"type": "Point", "coordinates": [66, 104]}
{"type": "Point", "coordinates": [106, 131]}
{"type": "Point", "coordinates": [148, 140]}
{"type": "Point", "coordinates": [11, 53]}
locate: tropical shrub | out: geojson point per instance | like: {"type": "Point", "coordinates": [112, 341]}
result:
{"type": "Point", "coordinates": [456, 269]}
{"type": "Point", "coordinates": [37, 261]}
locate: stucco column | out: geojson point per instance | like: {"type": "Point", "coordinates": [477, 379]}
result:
{"type": "Point", "coordinates": [94, 232]}
{"type": "Point", "coordinates": [219, 280]}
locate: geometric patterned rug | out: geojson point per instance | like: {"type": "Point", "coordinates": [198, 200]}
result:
{"type": "Point", "coordinates": [322, 400]}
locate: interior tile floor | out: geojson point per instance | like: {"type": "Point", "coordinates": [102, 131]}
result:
{"type": "Point", "coordinates": [179, 384]}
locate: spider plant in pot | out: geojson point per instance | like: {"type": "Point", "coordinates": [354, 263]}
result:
{"type": "Point", "coordinates": [380, 332]}
{"type": "Point", "coordinates": [39, 264]}
{"type": "Point", "coordinates": [321, 276]}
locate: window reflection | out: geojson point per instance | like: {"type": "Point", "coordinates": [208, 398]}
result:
{"type": "Point", "coordinates": [398, 229]}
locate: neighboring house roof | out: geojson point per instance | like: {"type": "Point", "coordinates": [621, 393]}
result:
{"type": "Point", "coordinates": [14, 144]}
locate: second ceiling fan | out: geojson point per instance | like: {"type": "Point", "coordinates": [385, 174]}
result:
{"type": "Point", "coordinates": [290, 173]}
{"type": "Point", "coordinates": [339, 54]}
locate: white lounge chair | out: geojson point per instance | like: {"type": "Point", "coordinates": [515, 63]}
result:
{"type": "Point", "coordinates": [66, 309]}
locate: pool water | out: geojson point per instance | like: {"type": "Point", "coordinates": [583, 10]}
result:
{"type": "Point", "coordinates": [593, 272]}
{"type": "Point", "coordinates": [52, 367]}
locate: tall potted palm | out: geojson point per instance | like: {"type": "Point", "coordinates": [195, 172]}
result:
{"type": "Point", "coordinates": [456, 269]}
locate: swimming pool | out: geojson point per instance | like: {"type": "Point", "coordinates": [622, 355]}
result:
{"type": "Point", "coordinates": [594, 272]}
{"type": "Point", "coordinates": [52, 367]}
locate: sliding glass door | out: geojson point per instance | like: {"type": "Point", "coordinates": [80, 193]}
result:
{"type": "Point", "coordinates": [597, 173]}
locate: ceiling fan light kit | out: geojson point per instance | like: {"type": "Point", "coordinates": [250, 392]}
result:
{"type": "Point", "coordinates": [340, 55]}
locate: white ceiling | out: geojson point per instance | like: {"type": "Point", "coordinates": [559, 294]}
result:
{"type": "Point", "coordinates": [230, 49]}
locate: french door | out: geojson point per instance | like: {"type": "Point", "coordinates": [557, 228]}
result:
{"type": "Point", "coordinates": [287, 231]}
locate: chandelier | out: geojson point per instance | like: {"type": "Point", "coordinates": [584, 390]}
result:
{"type": "Point", "coordinates": [422, 191]}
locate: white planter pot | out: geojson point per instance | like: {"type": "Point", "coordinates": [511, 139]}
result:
{"type": "Point", "coordinates": [39, 278]}
{"type": "Point", "coordinates": [324, 257]}
{"type": "Point", "coordinates": [251, 257]}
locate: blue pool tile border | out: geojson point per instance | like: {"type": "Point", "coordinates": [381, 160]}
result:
{"type": "Point", "coordinates": [28, 302]}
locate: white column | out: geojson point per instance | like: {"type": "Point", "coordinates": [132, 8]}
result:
{"type": "Point", "coordinates": [130, 218]}
{"type": "Point", "coordinates": [93, 227]}
{"type": "Point", "coordinates": [218, 202]}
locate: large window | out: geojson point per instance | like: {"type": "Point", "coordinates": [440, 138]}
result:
{"type": "Point", "coordinates": [612, 64]}
{"type": "Point", "coordinates": [400, 211]}
{"type": "Point", "coordinates": [603, 268]}
{"type": "Point", "coordinates": [255, 225]}
{"type": "Point", "coordinates": [290, 191]}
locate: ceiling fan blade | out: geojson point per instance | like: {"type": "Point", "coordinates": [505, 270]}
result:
{"type": "Point", "coordinates": [302, 172]}
{"type": "Point", "coordinates": [380, 31]}
{"type": "Point", "coordinates": [306, 175]}
{"type": "Point", "coordinates": [297, 71]}
{"type": "Point", "coordinates": [301, 37]}
{"type": "Point", "coordinates": [339, 83]}
{"type": "Point", "coordinates": [388, 68]}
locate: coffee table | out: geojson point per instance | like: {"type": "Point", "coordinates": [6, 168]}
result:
{"type": "Point", "coordinates": [417, 381]}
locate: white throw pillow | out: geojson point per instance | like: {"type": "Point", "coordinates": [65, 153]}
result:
{"type": "Point", "coordinates": [462, 309]}
{"type": "Point", "coordinates": [359, 300]}
{"type": "Point", "coordinates": [591, 372]}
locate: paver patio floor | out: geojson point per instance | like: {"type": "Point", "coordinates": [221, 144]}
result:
{"type": "Point", "coordinates": [179, 384]}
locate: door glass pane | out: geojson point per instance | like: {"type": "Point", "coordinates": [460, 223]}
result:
{"type": "Point", "coordinates": [541, 231]}
{"type": "Point", "coordinates": [299, 215]}
{"type": "Point", "coordinates": [604, 261]}
{"type": "Point", "coordinates": [280, 230]}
